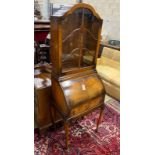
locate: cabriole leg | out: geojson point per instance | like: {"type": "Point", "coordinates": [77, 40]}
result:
{"type": "Point", "coordinates": [66, 125]}
{"type": "Point", "coordinates": [99, 119]}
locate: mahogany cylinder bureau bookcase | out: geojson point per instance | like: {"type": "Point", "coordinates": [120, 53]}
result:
{"type": "Point", "coordinates": [75, 40]}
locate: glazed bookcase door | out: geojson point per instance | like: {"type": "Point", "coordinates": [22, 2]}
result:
{"type": "Point", "coordinates": [80, 32]}
{"type": "Point", "coordinates": [71, 40]}
{"type": "Point", "coordinates": [91, 29]}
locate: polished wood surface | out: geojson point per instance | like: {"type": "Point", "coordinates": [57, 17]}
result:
{"type": "Point", "coordinates": [76, 87]}
{"type": "Point", "coordinates": [41, 25]}
{"type": "Point", "coordinates": [42, 88]}
{"type": "Point", "coordinates": [70, 95]}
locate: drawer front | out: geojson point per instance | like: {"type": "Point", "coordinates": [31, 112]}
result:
{"type": "Point", "coordinates": [87, 106]}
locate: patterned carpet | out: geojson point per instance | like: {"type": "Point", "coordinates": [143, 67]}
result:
{"type": "Point", "coordinates": [83, 139]}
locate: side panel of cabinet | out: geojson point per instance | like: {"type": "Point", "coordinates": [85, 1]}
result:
{"type": "Point", "coordinates": [42, 106]}
{"type": "Point", "coordinates": [55, 44]}
{"type": "Point", "coordinates": [43, 109]}
{"type": "Point", "coordinates": [59, 98]}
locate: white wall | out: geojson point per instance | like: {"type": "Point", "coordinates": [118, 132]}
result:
{"type": "Point", "coordinates": [109, 10]}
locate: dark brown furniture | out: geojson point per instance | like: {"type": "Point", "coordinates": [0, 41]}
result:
{"type": "Point", "coordinates": [76, 86]}
{"type": "Point", "coordinates": [41, 30]}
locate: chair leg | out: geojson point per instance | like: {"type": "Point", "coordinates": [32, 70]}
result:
{"type": "Point", "coordinates": [66, 125]}
{"type": "Point", "coordinates": [98, 121]}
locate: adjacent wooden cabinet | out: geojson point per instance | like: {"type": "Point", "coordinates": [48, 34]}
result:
{"type": "Point", "coordinates": [75, 40]}
{"type": "Point", "coordinates": [42, 97]}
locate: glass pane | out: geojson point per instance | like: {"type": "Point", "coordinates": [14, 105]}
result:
{"type": "Point", "coordinates": [91, 23]}
{"type": "Point", "coordinates": [71, 36]}
{"type": "Point", "coordinates": [87, 58]}
{"type": "Point", "coordinates": [80, 35]}
{"type": "Point", "coordinates": [71, 23]}
{"type": "Point", "coordinates": [90, 35]}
